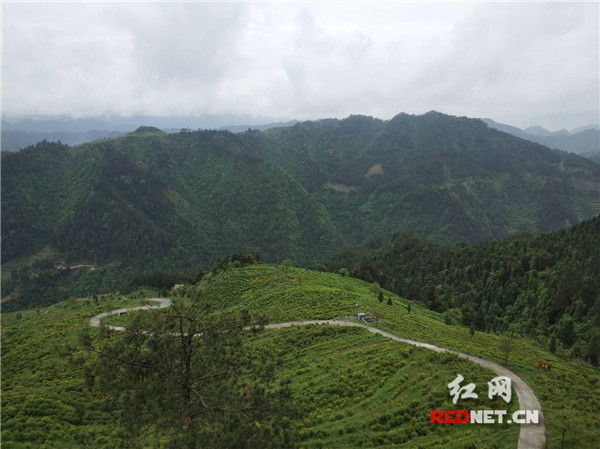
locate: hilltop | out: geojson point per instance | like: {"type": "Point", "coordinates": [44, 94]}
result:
{"type": "Point", "coordinates": [444, 178]}
{"type": "Point", "coordinates": [150, 199]}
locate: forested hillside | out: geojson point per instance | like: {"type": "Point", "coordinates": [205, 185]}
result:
{"type": "Point", "coordinates": [546, 286]}
{"type": "Point", "coordinates": [150, 200]}
{"type": "Point", "coordinates": [445, 178]}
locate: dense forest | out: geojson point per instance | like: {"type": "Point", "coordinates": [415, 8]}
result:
{"type": "Point", "coordinates": [546, 286]}
{"type": "Point", "coordinates": [445, 178]}
{"type": "Point", "coordinates": [150, 201]}
{"type": "Point", "coordinates": [154, 200]}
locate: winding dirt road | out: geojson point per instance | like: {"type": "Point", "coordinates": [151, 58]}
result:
{"type": "Point", "coordinates": [95, 321]}
{"type": "Point", "coordinates": [531, 436]}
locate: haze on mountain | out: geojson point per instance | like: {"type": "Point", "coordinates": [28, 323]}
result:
{"type": "Point", "coordinates": [436, 207]}
{"type": "Point", "coordinates": [584, 140]}
{"type": "Point", "coordinates": [20, 132]}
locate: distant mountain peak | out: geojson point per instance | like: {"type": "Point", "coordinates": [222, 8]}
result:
{"type": "Point", "coordinates": [541, 131]}
{"type": "Point", "coordinates": [148, 130]}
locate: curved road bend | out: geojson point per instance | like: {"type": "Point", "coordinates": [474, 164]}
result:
{"type": "Point", "coordinates": [95, 321]}
{"type": "Point", "coordinates": [531, 436]}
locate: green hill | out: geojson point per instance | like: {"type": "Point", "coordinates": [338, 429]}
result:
{"type": "Point", "coordinates": [546, 286]}
{"type": "Point", "coordinates": [445, 178]}
{"type": "Point", "coordinates": [155, 201]}
{"type": "Point", "coordinates": [356, 389]}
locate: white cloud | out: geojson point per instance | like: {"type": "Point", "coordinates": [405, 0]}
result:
{"type": "Point", "coordinates": [518, 63]}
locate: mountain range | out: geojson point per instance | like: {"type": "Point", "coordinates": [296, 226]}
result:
{"type": "Point", "coordinates": [19, 132]}
{"type": "Point", "coordinates": [584, 141]}
{"type": "Point", "coordinates": [152, 199]}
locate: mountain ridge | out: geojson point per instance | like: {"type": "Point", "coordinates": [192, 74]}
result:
{"type": "Point", "coordinates": [150, 199]}
{"type": "Point", "coordinates": [584, 141]}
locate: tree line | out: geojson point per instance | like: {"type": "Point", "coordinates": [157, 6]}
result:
{"type": "Point", "coordinates": [545, 286]}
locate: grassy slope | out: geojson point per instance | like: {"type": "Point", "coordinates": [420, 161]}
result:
{"type": "Point", "coordinates": [44, 400]}
{"type": "Point", "coordinates": [302, 294]}
{"type": "Point", "coordinates": [358, 389]}
{"type": "Point", "coordinates": [363, 390]}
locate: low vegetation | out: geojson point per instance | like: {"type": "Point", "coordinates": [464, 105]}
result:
{"type": "Point", "coordinates": [354, 389]}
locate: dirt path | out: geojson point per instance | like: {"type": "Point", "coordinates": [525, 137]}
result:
{"type": "Point", "coordinates": [531, 436]}
{"type": "Point", "coordinates": [95, 321]}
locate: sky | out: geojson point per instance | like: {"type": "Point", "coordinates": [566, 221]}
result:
{"type": "Point", "coordinates": [515, 62]}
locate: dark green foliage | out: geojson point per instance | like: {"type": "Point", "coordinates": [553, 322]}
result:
{"type": "Point", "coordinates": [31, 286]}
{"type": "Point", "coordinates": [380, 296]}
{"type": "Point", "coordinates": [545, 285]}
{"type": "Point", "coordinates": [552, 345]}
{"type": "Point", "coordinates": [235, 260]}
{"type": "Point", "coordinates": [566, 331]}
{"type": "Point", "coordinates": [408, 307]}
{"type": "Point", "coordinates": [149, 202]}
{"type": "Point", "coordinates": [447, 319]}
{"type": "Point", "coordinates": [126, 218]}
{"type": "Point", "coordinates": [593, 351]}
{"type": "Point", "coordinates": [152, 199]}
{"type": "Point", "coordinates": [446, 178]}
{"type": "Point", "coordinates": [507, 342]}
{"type": "Point", "coordinates": [389, 301]}
{"type": "Point", "coordinates": [31, 183]}
{"type": "Point", "coordinates": [188, 374]}
{"type": "Point", "coordinates": [160, 280]}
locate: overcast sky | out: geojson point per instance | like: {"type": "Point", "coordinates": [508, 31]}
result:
{"type": "Point", "coordinates": [518, 63]}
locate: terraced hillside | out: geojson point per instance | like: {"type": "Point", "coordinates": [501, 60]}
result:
{"type": "Point", "coordinates": [356, 389]}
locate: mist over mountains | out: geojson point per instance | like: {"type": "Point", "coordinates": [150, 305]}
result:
{"type": "Point", "coordinates": [20, 132]}
{"type": "Point", "coordinates": [193, 173]}
{"type": "Point", "coordinates": [584, 140]}
{"type": "Point", "coordinates": [125, 124]}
